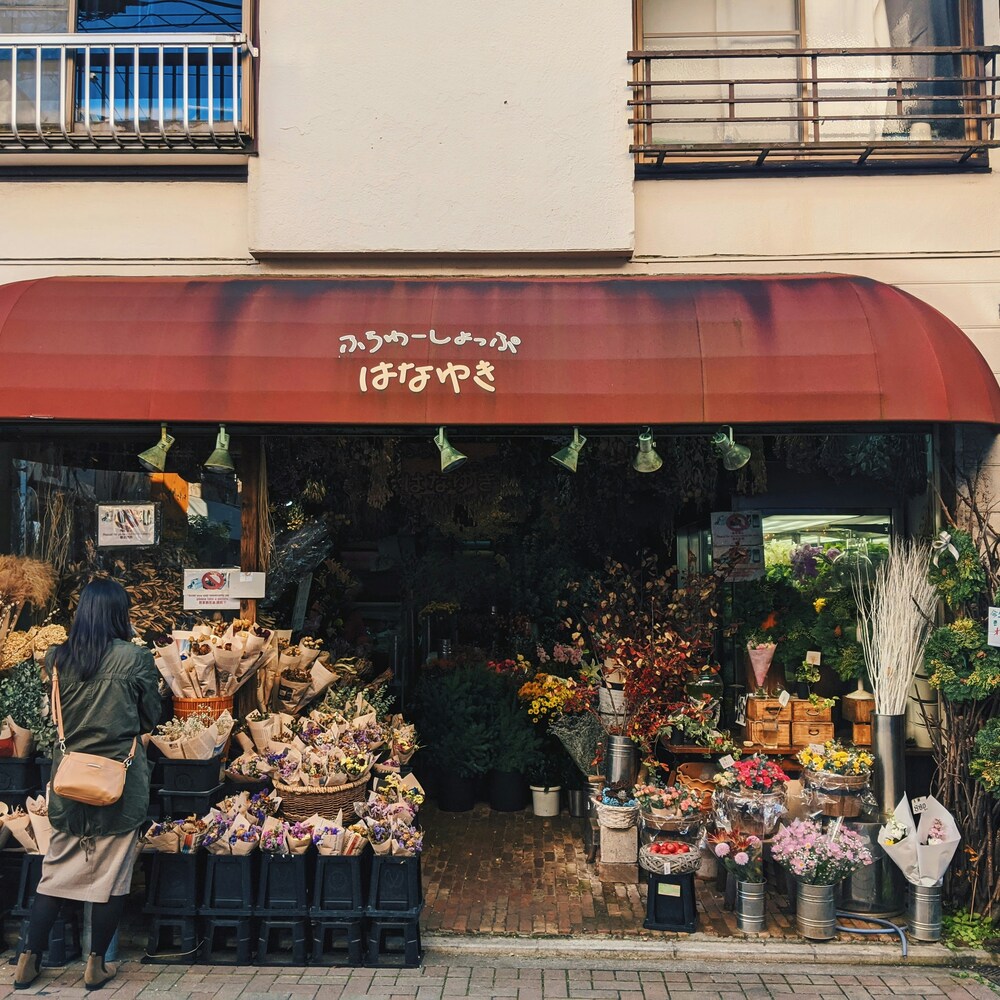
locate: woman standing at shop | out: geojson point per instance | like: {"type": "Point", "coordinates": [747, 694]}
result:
{"type": "Point", "coordinates": [108, 695]}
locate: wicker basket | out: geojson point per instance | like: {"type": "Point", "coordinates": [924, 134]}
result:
{"type": "Point", "coordinates": [670, 824]}
{"type": "Point", "coordinates": [298, 803]}
{"type": "Point", "coordinates": [669, 864]}
{"type": "Point", "coordinates": [210, 708]}
{"type": "Point", "coordinates": [617, 817]}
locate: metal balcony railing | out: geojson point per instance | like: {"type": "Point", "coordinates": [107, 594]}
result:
{"type": "Point", "coordinates": [125, 91]}
{"type": "Point", "coordinates": [693, 109]}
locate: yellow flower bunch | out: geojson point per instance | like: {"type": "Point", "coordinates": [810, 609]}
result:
{"type": "Point", "coordinates": [834, 758]}
{"type": "Point", "coordinates": [545, 696]}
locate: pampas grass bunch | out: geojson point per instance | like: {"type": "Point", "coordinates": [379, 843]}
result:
{"type": "Point", "coordinates": [895, 616]}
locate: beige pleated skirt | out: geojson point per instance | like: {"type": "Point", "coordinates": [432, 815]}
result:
{"type": "Point", "coordinates": [89, 869]}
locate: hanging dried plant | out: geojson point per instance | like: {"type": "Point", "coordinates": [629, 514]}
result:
{"type": "Point", "coordinates": [22, 581]}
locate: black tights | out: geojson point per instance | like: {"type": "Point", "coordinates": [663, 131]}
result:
{"type": "Point", "coordinates": [104, 922]}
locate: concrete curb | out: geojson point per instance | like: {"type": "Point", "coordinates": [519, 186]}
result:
{"type": "Point", "coordinates": [698, 948]}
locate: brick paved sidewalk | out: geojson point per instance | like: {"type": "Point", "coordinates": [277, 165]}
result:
{"type": "Point", "coordinates": [521, 979]}
{"type": "Point", "coordinates": [515, 874]}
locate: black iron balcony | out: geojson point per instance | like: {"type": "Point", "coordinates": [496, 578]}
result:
{"type": "Point", "coordinates": [694, 110]}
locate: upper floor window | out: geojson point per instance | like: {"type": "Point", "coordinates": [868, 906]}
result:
{"type": "Point", "coordinates": [152, 74]}
{"type": "Point", "coordinates": [729, 83]}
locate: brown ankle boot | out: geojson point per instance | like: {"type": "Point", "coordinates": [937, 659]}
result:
{"type": "Point", "coordinates": [28, 967]}
{"type": "Point", "coordinates": [97, 972]}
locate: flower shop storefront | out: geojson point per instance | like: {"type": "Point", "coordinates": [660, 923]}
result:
{"type": "Point", "coordinates": [427, 605]}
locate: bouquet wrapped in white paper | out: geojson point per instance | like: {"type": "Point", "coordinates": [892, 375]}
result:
{"type": "Point", "coordinates": [921, 849]}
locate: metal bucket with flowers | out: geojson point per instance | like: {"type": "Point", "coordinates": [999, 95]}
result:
{"type": "Point", "coordinates": [750, 795]}
{"type": "Point", "coordinates": [836, 778]}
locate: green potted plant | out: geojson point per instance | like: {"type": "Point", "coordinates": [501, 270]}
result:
{"type": "Point", "coordinates": [545, 774]}
{"type": "Point", "coordinates": [517, 744]}
{"type": "Point", "coordinates": [456, 708]}
{"type": "Point", "coordinates": [23, 697]}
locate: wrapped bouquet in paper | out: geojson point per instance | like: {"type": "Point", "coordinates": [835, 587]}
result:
{"type": "Point", "coordinates": [38, 816]}
{"type": "Point", "coordinates": [190, 833]}
{"type": "Point", "coordinates": [167, 657]}
{"type": "Point", "coordinates": [193, 738]}
{"type": "Point", "coordinates": [292, 688]}
{"type": "Point", "coordinates": [309, 650]}
{"type": "Point", "coordinates": [264, 804]}
{"type": "Point", "coordinates": [200, 664]}
{"type": "Point", "coordinates": [328, 838]}
{"type": "Point", "coordinates": [4, 832]}
{"type": "Point", "coordinates": [274, 836]}
{"type": "Point", "coordinates": [379, 836]}
{"type": "Point", "coordinates": [263, 728]}
{"type": "Point", "coordinates": [407, 841]}
{"type": "Point", "coordinates": [163, 837]}
{"type": "Point", "coordinates": [761, 654]}
{"type": "Point", "coordinates": [216, 838]}
{"type": "Point", "coordinates": [244, 838]}
{"type": "Point", "coordinates": [921, 849]}
{"type": "Point", "coordinates": [19, 740]}
{"type": "Point", "coordinates": [18, 824]}
{"type": "Point", "coordinates": [257, 637]}
{"type": "Point", "coordinates": [249, 766]}
{"type": "Point", "coordinates": [321, 675]}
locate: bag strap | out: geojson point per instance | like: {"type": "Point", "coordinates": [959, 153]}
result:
{"type": "Point", "coordinates": [57, 715]}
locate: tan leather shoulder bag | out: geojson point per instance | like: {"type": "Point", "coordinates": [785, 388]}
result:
{"type": "Point", "coordinates": [86, 777]}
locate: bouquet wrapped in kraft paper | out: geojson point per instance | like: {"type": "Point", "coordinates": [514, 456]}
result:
{"type": "Point", "coordinates": [193, 738]}
{"type": "Point", "coordinates": [18, 740]}
{"type": "Point", "coordinates": [208, 662]}
{"type": "Point", "coordinates": [921, 849]}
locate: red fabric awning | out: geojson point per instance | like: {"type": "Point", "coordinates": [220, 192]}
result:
{"type": "Point", "coordinates": [562, 350]}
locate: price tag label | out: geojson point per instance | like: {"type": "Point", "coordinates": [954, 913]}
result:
{"type": "Point", "coordinates": [784, 698]}
{"type": "Point", "coordinates": [918, 805]}
{"type": "Point", "coordinates": [726, 761]}
{"type": "Point", "coordinates": [814, 657]}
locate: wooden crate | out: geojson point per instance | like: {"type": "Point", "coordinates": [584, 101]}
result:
{"type": "Point", "coordinates": [862, 734]}
{"type": "Point", "coordinates": [858, 709]}
{"type": "Point", "coordinates": [769, 734]}
{"type": "Point", "coordinates": [805, 711]}
{"type": "Point", "coordinates": [811, 732]}
{"type": "Point", "coordinates": [768, 710]}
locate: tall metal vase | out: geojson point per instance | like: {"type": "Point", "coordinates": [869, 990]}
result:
{"type": "Point", "coordinates": [888, 786]}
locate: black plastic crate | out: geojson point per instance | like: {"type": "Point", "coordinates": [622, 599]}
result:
{"type": "Point", "coordinates": [173, 883]}
{"type": "Point", "coordinates": [192, 775]}
{"type": "Point", "coordinates": [18, 772]}
{"type": "Point", "coordinates": [284, 883]}
{"type": "Point", "coordinates": [44, 770]}
{"type": "Point", "coordinates": [18, 797]}
{"type": "Point", "coordinates": [341, 884]}
{"type": "Point", "coordinates": [230, 881]}
{"type": "Point", "coordinates": [177, 805]}
{"type": "Point", "coordinates": [670, 903]}
{"type": "Point", "coordinates": [395, 885]}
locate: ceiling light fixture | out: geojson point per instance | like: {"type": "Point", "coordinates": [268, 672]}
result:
{"type": "Point", "coordinates": [567, 457]}
{"type": "Point", "coordinates": [646, 459]}
{"type": "Point", "coordinates": [155, 459]}
{"type": "Point", "coordinates": [734, 456]}
{"type": "Point", "coordinates": [451, 458]}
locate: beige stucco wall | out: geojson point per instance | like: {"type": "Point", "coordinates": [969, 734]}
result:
{"type": "Point", "coordinates": [442, 127]}
{"type": "Point", "coordinates": [92, 226]}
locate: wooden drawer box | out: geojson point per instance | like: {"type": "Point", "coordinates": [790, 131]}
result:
{"type": "Point", "coordinates": [811, 732]}
{"type": "Point", "coordinates": [804, 711]}
{"type": "Point", "coordinates": [769, 734]}
{"type": "Point", "coordinates": [858, 709]}
{"type": "Point", "coordinates": [768, 709]}
{"type": "Point", "coordinates": [862, 734]}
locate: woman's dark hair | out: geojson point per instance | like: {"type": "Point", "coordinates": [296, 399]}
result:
{"type": "Point", "coordinates": [101, 617]}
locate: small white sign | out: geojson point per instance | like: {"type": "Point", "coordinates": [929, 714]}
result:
{"type": "Point", "coordinates": [726, 761]}
{"type": "Point", "coordinates": [737, 527]}
{"type": "Point", "coordinates": [918, 805]}
{"type": "Point", "coordinates": [784, 698]}
{"type": "Point", "coordinates": [128, 524]}
{"type": "Point", "coordinates": [814, 657]}
{"type": "Point", "coordinates": [210, 590]}
{"type": "Point", "coordinates": [993, 635]}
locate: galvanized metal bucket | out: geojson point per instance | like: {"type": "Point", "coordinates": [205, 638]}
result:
{"type": "Point", "coordinates": [621, 760]}
{"type": "Point", "coordinates": [750, 907]}
{"type": "Point", "coordinates": [923, 912]}
{"type": "Point", "coordinates": [816, 912]}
